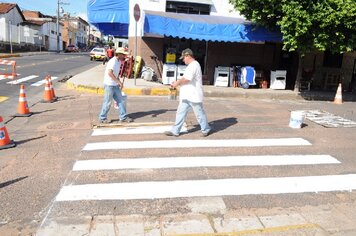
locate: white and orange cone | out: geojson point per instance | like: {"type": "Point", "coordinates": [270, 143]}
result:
{"type": "Point", "coordinates": [47, 95]}
{"type": "Point", "coordinates": [338, 96]}
{"type": "Point", "coordinates": [22, 108]}
{"type": "Point", "coordinates": [51, 86]}
{"type": "Point", "coordinates": [5, 141]}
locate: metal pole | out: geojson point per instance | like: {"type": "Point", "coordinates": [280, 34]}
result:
{"type": "Point", "coordinates": [135, 53]}
{"type": "Point", "coordinates": [10, 36]}
{"type": "Point", "coordinates": [57, 26]}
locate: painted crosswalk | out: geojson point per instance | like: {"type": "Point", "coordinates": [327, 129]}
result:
{"type": "Point", "coordinates": [19, 80]}
{"type": "Point", "coordinates": [157, 189]}
{"type": "Point", "coordinates": [41, 82]}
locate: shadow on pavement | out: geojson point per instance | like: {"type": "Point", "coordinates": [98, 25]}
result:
{"type": "Point", "coordinates": [153, 113]}
{"type": "Point", "coordinates": [218, 125]}
{"type": "Point", "coordinates": [7, 183]}
{"type": "Point", "coordinates": [30, 139]}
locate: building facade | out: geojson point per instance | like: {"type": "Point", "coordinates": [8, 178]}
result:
{"type": "Point", "coordinates": [32, 30]}
{"type": "Point", "coordinates": [322, 70]}
{"type": "Point", "coordinates": [211, 53]}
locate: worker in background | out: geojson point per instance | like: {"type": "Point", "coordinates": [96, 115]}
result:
{"type": "Point", "coordinates": [113, 85]}
{"type": "Point", "coordinates": [109, 54]}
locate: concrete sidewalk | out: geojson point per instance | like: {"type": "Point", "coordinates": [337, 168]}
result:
{"type": "Point", "coordinates": [92, 81]}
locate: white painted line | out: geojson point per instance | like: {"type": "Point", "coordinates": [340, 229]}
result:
{"type": "Point", "coordinates": [17, 81]}
{"type": "Point", "coordinates": [214, 161]}
{"type": "Point", "coordinates": [205, 188]}
{"type": "Point", "coordinates": [176, 143]}
{"type": "Point", "coordinates": [134, 130]}
{"type": "Point", "coordinates": [41, 82]}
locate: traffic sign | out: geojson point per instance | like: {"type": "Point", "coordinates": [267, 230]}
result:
{"type": "Point", "coordinates": [137, 12]}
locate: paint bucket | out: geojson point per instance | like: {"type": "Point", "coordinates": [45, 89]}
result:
{"type": "Point", "coordinates": [296, 119]}
{"type": "Point", "coordinates": [173, 93]}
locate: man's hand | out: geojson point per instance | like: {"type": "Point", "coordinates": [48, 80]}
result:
{"type": "Point", "coordinates": [175, 84]}
{"type": "Point", "coordinates": [120, 84]}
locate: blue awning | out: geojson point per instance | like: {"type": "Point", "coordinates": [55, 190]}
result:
{"type": "Point", "coordinates": [110, 17]}
{"type": "Point", "coordinates": [206, 27]}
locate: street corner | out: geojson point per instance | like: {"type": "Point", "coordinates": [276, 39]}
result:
{"type": "Point", "coordinates": [160, 91]}
{"type": "Point", "coordinates": [147, 91]}
{"type": "Point", "coordinates": [9, 55]}
{"type": "Point", "coordinates": [134, 91]}
{"type": "Point", "coordinates": [87, 89]}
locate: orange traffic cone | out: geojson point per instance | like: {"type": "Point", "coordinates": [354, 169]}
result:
{"type": "Point", "coordinates": [47, 95]}
{"type": "Point", "coordinates": [22, 108]}
{"type": "Point", "coordinates": [338, 96]}
{"type": "Point", "coordinates": [51, 86]}
{"type": "Point", "coordinates": [5, 141]}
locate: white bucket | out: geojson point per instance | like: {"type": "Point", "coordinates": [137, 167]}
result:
{"type": "Point", "coordinates": [124, 98]}
{"type": "Point", "coordinates": [296, 119]}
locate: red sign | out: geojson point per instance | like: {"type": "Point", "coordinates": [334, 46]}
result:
{"type": "Point", "coordinates": [137, 12]}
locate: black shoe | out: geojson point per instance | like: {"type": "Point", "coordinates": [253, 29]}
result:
{"type": "Point", "coordinates": [127, 120]}
{"type": "Point", "coordinates": [169, 133]}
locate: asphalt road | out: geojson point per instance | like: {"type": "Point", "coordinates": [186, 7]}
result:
{"type": "Point", "coordinates": [32, 69]}
{"type": "Point", "coordinates": [50, 142]}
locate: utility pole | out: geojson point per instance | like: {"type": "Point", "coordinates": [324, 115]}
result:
{"type": "Point", "coordinates": [59, 3]}
{"type": "Point", "coordinates": [57, 26]}
{"type": "Point", "coordinates": [10, 36]}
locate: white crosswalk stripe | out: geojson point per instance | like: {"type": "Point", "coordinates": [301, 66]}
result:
{"type": "Point", "coordinates": [205, 188]}
{"type": "Point", "coordinates": [17, 81]}
{"type": "Point", "coordinates": [204, 161]}
{"type": "Point", "coordinates": [41, 82]}
{"type": "Point", "coordinates": [196, 143]}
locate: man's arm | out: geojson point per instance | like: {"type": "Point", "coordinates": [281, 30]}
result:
{"type": "Point", "coordinates": [180, 82]}
{"type": "Point", "coordinates": [116, 79]}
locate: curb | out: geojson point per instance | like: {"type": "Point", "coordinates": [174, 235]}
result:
{"type": "Point", "coordinates": [10, 55]}
{"type": "Point", "coordinates": [128, 91]}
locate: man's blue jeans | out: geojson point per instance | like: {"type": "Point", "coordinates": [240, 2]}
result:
{"type": "Point", "coordinates": [182, 111]}
{"type": "Point", "coordinates": [110, 93]}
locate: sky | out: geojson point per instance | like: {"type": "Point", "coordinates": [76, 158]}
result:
{"type": "Point", "coordinates": [49, 7]}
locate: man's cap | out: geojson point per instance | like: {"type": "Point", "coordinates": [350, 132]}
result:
{"type": "Point", "coordinates": [186, 52]}
{"type": "Point", "coordinates": [121, 51]}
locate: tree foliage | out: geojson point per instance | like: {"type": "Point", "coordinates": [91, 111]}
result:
{"type": "Point", "coordinates": [306, 25]}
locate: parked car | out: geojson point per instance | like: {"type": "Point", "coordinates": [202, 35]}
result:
{"type": "Point", "coordinates": [71, 48]}
{"type": "Point", "coordinates": [98, 54]}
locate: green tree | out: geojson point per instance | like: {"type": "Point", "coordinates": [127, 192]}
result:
{"type": "Point", "coordinates": [306, 25]}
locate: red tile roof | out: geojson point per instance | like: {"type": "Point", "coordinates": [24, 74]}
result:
{"type": "Point", "coordinates": [31, 14]}
{"type": "Point", "coordinates": [6, 7]}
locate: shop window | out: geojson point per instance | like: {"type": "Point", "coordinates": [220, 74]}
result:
{"type": "Point", "coordinates": [188, 8]}
{"type": "Point", "coordinates": [332, 60]}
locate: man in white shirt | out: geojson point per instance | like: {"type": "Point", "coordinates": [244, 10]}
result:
{"type": "Point", "coordinates": [190, 95]}
{"type": "Point", "coordinates": [113, 86]}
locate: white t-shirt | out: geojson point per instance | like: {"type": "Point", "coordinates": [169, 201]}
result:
{"type": "Point", "coordinates": [113, 64]}
{"type": "Point", "coordinates": [192, 91]}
